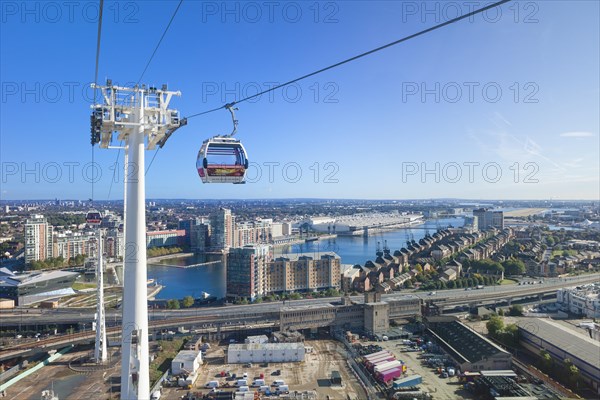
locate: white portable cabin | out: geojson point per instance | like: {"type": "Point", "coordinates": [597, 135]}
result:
{"type": "Point", "coordinates": [186, 362]}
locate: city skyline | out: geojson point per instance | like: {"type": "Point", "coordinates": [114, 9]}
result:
{"type": "Point", "coordinates": [366, 124]}
{"type": "Point", "coordinates": [413, 188]}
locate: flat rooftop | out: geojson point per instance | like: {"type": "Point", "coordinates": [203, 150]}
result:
{"type": "Point", "coordinates": [570, 340]}
{"type": "Point", "coordinates": [186, 355]}
{"type": "Point", "coordinates": [265, 346]}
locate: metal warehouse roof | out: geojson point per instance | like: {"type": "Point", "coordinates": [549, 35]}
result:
{"type": "Point", "coordinates": [569, 340]}
{"type": "Point", "coordinates": [25, 279]}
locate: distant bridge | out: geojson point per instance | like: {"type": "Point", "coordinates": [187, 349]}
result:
{"type": "Point", "coordinates": [202, 264]}
{"type": "Point", "coordinates": [364, 230]}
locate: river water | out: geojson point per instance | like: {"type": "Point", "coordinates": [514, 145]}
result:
{"type": "Point", "coordinates": [180, 282]}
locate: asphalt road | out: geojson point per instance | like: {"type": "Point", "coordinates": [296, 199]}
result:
{"type": "Point", "coordinates": [65, 315]}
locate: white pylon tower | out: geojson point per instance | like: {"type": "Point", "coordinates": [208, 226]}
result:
{"type": "Point", "coordinates": [140, 117]}
{"type": "Point", "coordinates": [100, 354]}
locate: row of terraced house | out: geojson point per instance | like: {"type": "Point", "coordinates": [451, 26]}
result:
{"type": "Point", "coordinates": [389, 272]}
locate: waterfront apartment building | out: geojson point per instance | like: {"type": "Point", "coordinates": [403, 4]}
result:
{"type": "Point", "coordinates": [221, 231]}
{"type": "Point", "coordinates": [188, 226]}
{"type": "Point", "coordinates": [489, 219]}
{"type": "Point", "coordinates": [246, 268]}
{"type": "Point", "coordinates": [200, 237]}
{"type": "Point", "coordinates": [38, 239]}
{"type": "Point", "coordinates": [222, 224]}
{"type": "Point", "coordinates": [72, 244]}
{"type": "Point", "coordinates": [257, 231]}
{"type": "Point", "coordinates": [303, 272]}
{"type": "Point", "coordinates": [114, 243]}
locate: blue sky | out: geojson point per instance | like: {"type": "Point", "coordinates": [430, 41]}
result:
{"type": "Point", "coordinates": [515, 94]}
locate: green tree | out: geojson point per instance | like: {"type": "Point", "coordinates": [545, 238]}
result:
{"type": "Point", "coordinates": [188, 301]}
{"type": "Point", "coordinates": [545, 360]}
{"type": "Point", "coordinates": [173, 304]}
{"type": "Point", "coordinates": [258, 300]}
{"type": "Point", "coordinates": [451, 284]}
{"type": "Point", "coordinates": [510, 336]}
{"type": "Point", "coordinates": [295, 296]}
{"type": "Point", "coordinates": [408, 284]}
{"type": "Point", "coordinates": [501, 312]}
{"type": "Point", "coordinates": [514, 267]}
{"type": "Point", "coordinates": [494, 325]}
{"type": "Point", "coordinates": [419, 268]}
{"type": "Point", "coordinates": [572, 371]}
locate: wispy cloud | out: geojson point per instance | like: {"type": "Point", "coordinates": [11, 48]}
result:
{"type": "Point", "coordinates": [575, 163]}
{"type": "Point", "coordinates": [577, 134]}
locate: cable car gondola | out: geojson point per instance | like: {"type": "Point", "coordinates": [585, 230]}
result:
{"type": "Point", "coordinates": [93, 217]}
{"type": "Point", "coordinates": [223, 159]}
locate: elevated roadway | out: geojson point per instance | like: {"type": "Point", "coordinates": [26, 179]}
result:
{"type": "Point", "coordinates": [231, 318]}
{"type": "Point", "coordinates": [235, 312]}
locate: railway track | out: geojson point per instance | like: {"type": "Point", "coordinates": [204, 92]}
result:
{"type": "Point", "coordinates": [74, 338]}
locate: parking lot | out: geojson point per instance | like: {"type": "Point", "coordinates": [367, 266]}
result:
{"type": "Point", "coordinates": [311, 375]}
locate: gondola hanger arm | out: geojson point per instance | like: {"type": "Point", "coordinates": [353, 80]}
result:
{"type": "Point", "coordinates": [232, 109]}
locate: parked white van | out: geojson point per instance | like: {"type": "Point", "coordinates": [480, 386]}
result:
{"type": "Point", "coordinates": [258, 382]}
{"type": "Point", "coordinates": [283, 389]}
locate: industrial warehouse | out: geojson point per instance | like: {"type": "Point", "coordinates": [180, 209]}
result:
{"type": "Point", "coordinates": [562, 342]}
{"type": "Point", "coordinates": [470, 350]}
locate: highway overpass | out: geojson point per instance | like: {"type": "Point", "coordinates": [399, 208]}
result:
{"type": "Point", "coordinates": [443, 298]}
{"type": "Point", "coordinates": [236, 317]}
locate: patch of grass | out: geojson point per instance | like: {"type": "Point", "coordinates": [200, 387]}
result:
{"type": "Point", "coordinates": [81, 285]}
{"type": "Point", "coordinates": [559, 253]}
{"type": "Point", "coordinates": [162, 362]}
{"type": "Point", "coordinates": [508, 282]}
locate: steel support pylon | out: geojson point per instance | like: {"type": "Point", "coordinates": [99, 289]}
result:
{"type": "Point", "coordinates": [135, 380]}
{"type": "Point", "coordinates": [100, 355]}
